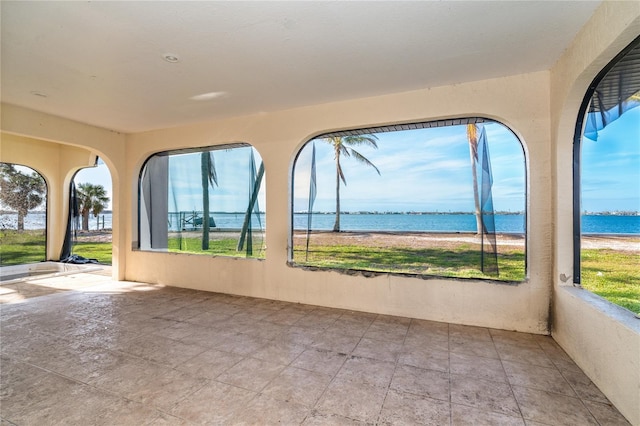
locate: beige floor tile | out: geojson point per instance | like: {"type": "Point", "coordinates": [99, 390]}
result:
{"type": "Point", "coordinates": [387, 331]}
{"type": "Point", "coordinates": [164, 419]}
{"type": "Point", "coordinates": [242, 344]}
{"type": "Point", "coordinates": [583, 386]}
{"type": "Point", "coordinates": [81, 363]}
{"type": "Point", "coordinates": [207, 318]}
{"type": "Point", "coordinates": [468, 416]}
{"type": "Point", "coordinates": [408, 409]}
{"type": "Point", "coordinates": [483, 394]}
{"type": "Point", "coordinates": [350, 327]}
{"type": "Point", "coordinates": [215, 403]}
{"type": "Point", "coordinates": [417, 340]}
{"type": "Point", "coordinates": [523, 354]}
{"type": "Point", "coordinates": [299, 335]}
{"type": "Point", "coordinates": [320, 360]}
{"type": "Point", "coordinates": [298, 386]}
{"type": "Point", "coordinates": [513, 337]}
{"type": "Point", "coordinates": [316, 418]}
{"type": "Point", "coordinates": [606, 414]}
{"type": "Point", "coordinates": [285, 317]}
{"type": "Point", "coordinates": [533, 376]}
{"type": "Point", "coordinates": [475, 366]}
{"type": "Point", "coordinates": [369, 371]}
{"type": "Point", "coordinates": [312, 320]}
{"type": "Point", "coordinates": [196, 357]}
{"type": "Point", "coordinates": [205, 337]}
{"type": "Point", "coordinates": [392, 319]}
{"type": "Point", "coordinates": [378, 349]}
{"type": "Point", "coordinates": [352, 399]}
{"type": "Point", "coordinates": [552, 408]}
{"type": "Point", "coordinates": [263, 410]}
{"type": "Point", "coordinates": [250, 373]}
{"type": "Point", "coordinates": [336, 342]}
{"type": "Point", "coordinates": [176, 331]}
{"type": "Point", "coordinates": [55, 400]}
{"type": "Point", "coordinates": [432, 328]}
{"type": "Point", "coordinates": [26, 390]}
{"type": "Point", "coordinates": [430, 359]}
{"type": "Point", "coordinates": [265, 330]}
{"type": "Point", "coordinates": [161, 350]}
{"type": "Point", "coordinates": [465, 345]}
{"type": "Point", "coordinates": [148, 383]}
{"type": "Point", "coordinates": [279, 352]}
{"type": "Point", "coordinates": [209, 364]}
{"type": "Point", "coordinates": [426, 383]}
{"type": "Point", "coordinates": [475, 333]}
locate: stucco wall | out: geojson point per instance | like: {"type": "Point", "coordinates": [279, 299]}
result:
{"type": "Point", "coordinates": [521, 102]}
{"type": "Point", "coordinates": [603, 339]}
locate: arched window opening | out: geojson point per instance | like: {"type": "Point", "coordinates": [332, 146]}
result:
{"type": "Point", "coordinates": [89, 228]}
{"type": "Point", "coordinates": [23, 215]}
{"type": "Point", "coordinates": [204, 201]}
{"type": "Point", "coordinates": [607, 183]}
{"type": "Point", "coordinates": [444, 198]}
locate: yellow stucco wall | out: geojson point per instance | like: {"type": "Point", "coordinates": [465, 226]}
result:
{"type": "Point", "coordinates": [521, 102]}
{"type": "Point", "coordinates": [602, 338]}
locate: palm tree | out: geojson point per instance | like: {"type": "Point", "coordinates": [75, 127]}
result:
{"type": "Point", "coordinates": [472, 137]}
{"type": "Point", "coordinates": [93, 200]}
{"type": "Point", "coordinates": [20, 191]}
{"type": "Point", "coordinates": [344, 146]}
{"type": "Point", "coordinates": [209, 176]}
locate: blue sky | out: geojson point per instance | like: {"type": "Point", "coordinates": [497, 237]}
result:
{"type": "Point", "coordinates": [429, 170]}
{"type": "Point", "coordinates": [233, 190]}
{"type": "Point", "coordinates": [611, 166]}
{"type": "Point", "coordinates": [420, 170]}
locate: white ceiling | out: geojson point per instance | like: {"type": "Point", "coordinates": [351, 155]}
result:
{"type": "Point", "coordinates": [102, 62]}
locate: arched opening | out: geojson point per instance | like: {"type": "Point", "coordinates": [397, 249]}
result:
{"type": "Point", "coordinates": [90, 223]}
{"type": "Point", "coordinates": [607, 183]}
{"type": "Point", "coordinates": [444, 198]}
{"type": "Point", "coordinates": [23, 215]}
{"type": "Point", "coordinates": [208, 200]}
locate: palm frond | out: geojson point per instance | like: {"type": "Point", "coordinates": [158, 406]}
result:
{"type": "Point", "coordinates": [370, 140]}
{"type": "Point", "coordinates": [361, 158]}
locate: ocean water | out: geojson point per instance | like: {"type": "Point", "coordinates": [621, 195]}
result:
{"type": "Point", "coordinates": [591, 224]}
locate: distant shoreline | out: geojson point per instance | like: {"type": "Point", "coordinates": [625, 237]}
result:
{"type": "Point", "coordinates": [502, 213]}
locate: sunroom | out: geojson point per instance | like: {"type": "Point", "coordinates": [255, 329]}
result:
{"type": "Point", "coordinates": [324, 212]}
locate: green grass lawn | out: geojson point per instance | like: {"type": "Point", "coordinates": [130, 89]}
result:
{"type": "Point", "coordinates": [28, 246]}
{"type": "Point", "coordinates": [99, 251]}
{"type": "Point", "coordinates": [459, 263]}
{"type": "Point", "coordinates": [613, 275]}
{"type": "Point", "coordinates": [22, 247]}
{"type": "Point", "coordinates": [222, 247]}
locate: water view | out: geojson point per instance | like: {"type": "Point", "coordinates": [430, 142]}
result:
{"type": "Point", "coordinates": [426, 222]}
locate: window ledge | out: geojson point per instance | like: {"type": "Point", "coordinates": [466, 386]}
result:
{"type": "Point", "coordinates": [611, 310]}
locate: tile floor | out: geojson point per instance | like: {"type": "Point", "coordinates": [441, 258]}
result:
{"type": "Point", "coordinates": [134, 354]}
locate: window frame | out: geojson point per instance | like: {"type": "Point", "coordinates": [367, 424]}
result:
{"type": "Point", "coordinates": [577, 158]}
{"type": "Point", "coordinates": [182, 151]}
{"type": "Point", "coordinates": [46, 207]}
{"type": "Point", "coordinates": [414, 125]}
